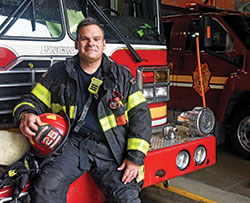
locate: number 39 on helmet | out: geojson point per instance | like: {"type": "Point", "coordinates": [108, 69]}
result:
{"type": "Point", "coordinates": [51, 135]}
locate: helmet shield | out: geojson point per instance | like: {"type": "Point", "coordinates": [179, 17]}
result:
{"type": "Point", "coordinates": [51, 135]}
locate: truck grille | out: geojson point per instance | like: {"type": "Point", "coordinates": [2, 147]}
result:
{"type": "Point", "coordinates": [17, 81]}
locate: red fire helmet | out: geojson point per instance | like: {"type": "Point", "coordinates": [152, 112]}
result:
{"type": "Point", "coordinates": [51, 135]}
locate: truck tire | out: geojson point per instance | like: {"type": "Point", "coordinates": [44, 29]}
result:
{"type": "Point", "coordinates": [240, 135]}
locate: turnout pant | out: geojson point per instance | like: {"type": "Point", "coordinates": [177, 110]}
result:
{"type": "Point", "coordinates": [52, 184]}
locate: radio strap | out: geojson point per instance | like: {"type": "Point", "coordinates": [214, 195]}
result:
{"type": "Point", "coordinates": [93, 89]}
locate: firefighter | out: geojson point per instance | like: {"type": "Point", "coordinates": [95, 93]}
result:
{"type": "Point", "coordinates": [110, 122]}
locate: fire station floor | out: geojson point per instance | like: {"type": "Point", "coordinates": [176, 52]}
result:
{"type": "Point", "coordinates": [228, 181]}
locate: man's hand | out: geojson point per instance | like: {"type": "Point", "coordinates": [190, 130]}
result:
{"type": "Point", "coordinates": [29, 124]}
{"type": "Point", "coordinates": [132, 171]}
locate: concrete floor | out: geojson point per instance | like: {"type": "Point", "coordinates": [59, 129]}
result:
{"type": "Point", "coordinates": [155, 194]}
{"type": "Point", "coordinates": [228, 181]}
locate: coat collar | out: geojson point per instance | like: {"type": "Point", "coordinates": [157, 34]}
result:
{"type": "Point", "coordinates": [109, 78]}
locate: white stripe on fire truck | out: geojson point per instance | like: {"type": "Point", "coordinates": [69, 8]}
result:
{"type": "Point", "coordinates": [220, 87]}
{"type": "Point", "coordinates": [179, 84]}
{"type": "Point", "coordinates": [159, 122]}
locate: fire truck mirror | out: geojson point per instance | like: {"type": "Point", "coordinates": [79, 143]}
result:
{"type": "Point", "coordinates": [207, 31]}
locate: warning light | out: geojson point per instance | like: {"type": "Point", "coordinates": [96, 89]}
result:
{"type": "Point", "coordinates": [6, 56]}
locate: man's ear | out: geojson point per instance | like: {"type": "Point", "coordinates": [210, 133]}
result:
{"type": "Point", "coordinates": [104, 44]}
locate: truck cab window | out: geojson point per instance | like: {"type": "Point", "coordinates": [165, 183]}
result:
{"type": "Point", "coordinates": [136, 20]}
{"type": "Point", "coordinates": [240, 24]}
{"type": "Point", "coordinates": [167, 31]}
{"type": "Point", "coordinates": [190, 40]}
{"type": "Point", "coordinates": [222, 40]}
{"type": "Point", "coordinates": [74, 15]}
{"type": "Point", "coordinates": [30, 19]}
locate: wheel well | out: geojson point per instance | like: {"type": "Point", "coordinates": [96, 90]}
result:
{"type": "Point", "coordinates": [238, 100]}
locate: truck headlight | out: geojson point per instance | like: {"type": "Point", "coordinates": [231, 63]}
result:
{"type": "Point", "coordinates": [148, 93]}
{"type": "Point", "coordinates": [161, 91]}
{"type": "Point", "coordinates": [200, 154]}
{"type": "Point", "coordinates": [154, 81]}
{"type": "Point", "coordinates": [182, 160]}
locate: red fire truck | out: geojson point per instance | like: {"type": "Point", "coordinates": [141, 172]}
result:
{"type": "Point", "coordinates": [34, 34]}
{"type": "Point", "coordinates": [224, 56]}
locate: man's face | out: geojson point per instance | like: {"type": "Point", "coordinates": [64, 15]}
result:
{"type": "Point", "coordinates": [90, 43]}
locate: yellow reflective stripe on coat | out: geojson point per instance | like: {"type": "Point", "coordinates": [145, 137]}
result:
{"type": "Point", "coordinates": [43, 94]}
{"type": "Point", "coordinates": [134, 100]}
{"type": "Point", "coordinates": [138, 144]}
{"type": "Point", "coordinates": [72, 112]}
{"type": "Point", "coordinates": [108, 122]}
{"type": "Point", "coordinates": [23, 103]}
{"type": "Point", "coordinates": [141, 177]}
{"type": "Point", "coordinates": [56, 107]}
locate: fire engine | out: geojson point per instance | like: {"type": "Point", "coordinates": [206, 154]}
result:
{"type": "Point", "coordinates": [34, 34]}
{"type": "Point", "coordinates": [224, 56]}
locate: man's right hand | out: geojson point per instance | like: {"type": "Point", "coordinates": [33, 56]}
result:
{"type": "Point", "coordinates": [29, 124]}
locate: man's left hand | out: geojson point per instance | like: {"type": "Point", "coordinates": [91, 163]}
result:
{"type": "Point", "coordinates": [132, 171]}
